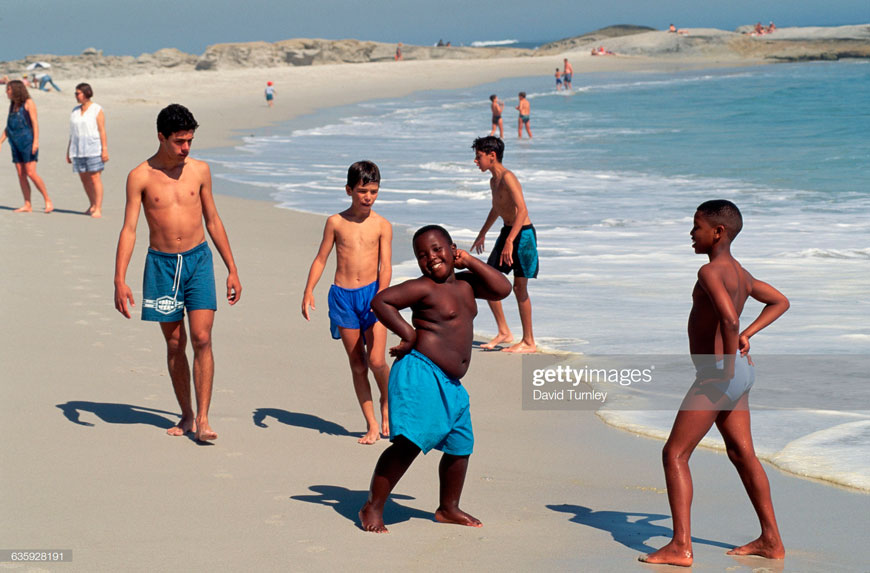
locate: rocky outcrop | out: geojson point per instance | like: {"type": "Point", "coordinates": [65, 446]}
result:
{"type": "Point", "coordinates": [313, 52]}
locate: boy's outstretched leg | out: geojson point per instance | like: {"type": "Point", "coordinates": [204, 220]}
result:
{"type": "Point", "coordinates": [376, 341]}
{"type": "Point", "coordinates": [527, 344]}
{"type": "Point", "coordinates": [735, 429]}
{"type": "Point", "coordinates": [391, 466]}
{"type": "Point", "coordinates": [504, 333]}
{"type": "Point", "coordinates": [690, 427]}
{"type": "Point", "coordinates": [451, 472]}
{"type": "Point", "coordinates": [354, 345]}
{"type": "Point", "coordinates": [201, 322]}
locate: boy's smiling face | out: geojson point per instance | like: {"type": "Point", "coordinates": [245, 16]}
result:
{"type": "Point", "coordinates": [363, 196]}
{"type": "Point", "coordinates": [435, 255]}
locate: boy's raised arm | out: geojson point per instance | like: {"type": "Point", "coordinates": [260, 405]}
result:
{"type": "Point", "coordinates": [317, 266]}
{"type": "Point", "coordinates": [775, 304]}
{"type": "Point", "coordinates": [486, 281]}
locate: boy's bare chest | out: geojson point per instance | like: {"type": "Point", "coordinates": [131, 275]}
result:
{"type": "Point", "coordinates": [163, 192]}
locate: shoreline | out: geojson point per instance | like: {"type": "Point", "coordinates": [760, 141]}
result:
{"type": "Point", "coordinates": [87, 465]}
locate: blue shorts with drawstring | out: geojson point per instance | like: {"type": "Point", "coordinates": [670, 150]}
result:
{"type": "Point", "coordinates": [177, 281]}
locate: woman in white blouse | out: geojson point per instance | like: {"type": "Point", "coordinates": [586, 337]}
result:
{"type": "Point", "coordinates": [87, 150]}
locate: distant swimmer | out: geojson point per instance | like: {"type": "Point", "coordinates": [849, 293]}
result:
{"type": "Point", "coordinates": [174, 190]}
{"type": "Point", "coordinates": [497, 108]}
{"type": "Point", "coordinates": [525, 116]}
{"type": "Point", "coordinates": [558, 80]}
{"type": "Point", "coordinates": [724, 376]}
{"type": "Point", "coordinates": [567, 74]}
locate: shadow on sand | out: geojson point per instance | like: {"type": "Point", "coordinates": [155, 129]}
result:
{"type": "Point", "coordinates": [117, 414]}
{"type": "Point", "coordinates": [301, 420]}
{"type": "Point", "coordinates": [347, 503]}
{"type": "Point", "coordinates": [630, 529]}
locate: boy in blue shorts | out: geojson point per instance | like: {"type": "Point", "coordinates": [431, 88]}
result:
{"type": "Point", "coordinates": [516, 248]}
{"type": "Point", "coordinates": [428, 405]}
{"type": "Point", "coordinates": [174, 191]}
{"type": "Point", "coordinates": [363, 243]}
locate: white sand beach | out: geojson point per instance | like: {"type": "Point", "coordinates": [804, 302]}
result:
{"type": "Point", "coordinates": [86, 465]}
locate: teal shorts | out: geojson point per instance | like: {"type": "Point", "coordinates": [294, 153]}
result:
{"type": "Point", "coordinates": [175, 281]}
{"type": "Point", "coordinates": [428, 407]}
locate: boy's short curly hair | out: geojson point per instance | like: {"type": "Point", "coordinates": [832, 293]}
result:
{"type": "Point", "coordinates": [174, 118]}
{"type": "Point", "coordinates": [723, 212]}
{"type": "Point", "coordinates": [436, 228]}
{"type": "Point", "coordinates": [489, 143]}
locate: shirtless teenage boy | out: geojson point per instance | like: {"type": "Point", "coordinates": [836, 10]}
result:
{"type": "Point", "coordinates": [363, 243]}
{"type": "Point", "coordinates": [524, 108]}
{"type": "Point", "coordinates": [497, 108]}
{"type": "Point", "coordinates": [428, 406]}
{"type": "Point", "coordinates": [516, 248]}
{"type": "Point", "coordinates": [174, 191]}
{"type": "Point", "coordinates": [720, 393]}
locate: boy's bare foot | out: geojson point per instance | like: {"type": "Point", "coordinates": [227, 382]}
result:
{"type": "Point", "coordinates": [96, 214]}
{"type": "Point", "coordinates": [456, 516]}
{"type": "Point", "coordinates": [762, 548]}
{"type": "Point", "coordinates": [204, 433]}
{"type": "Point", "coordinates": [371, 519]}
{"type": "Point", "coordinates": [521, 348]}
{"type": "Point", "coordinates": [670, 554]}
{"type": "Point", "coordinates": [23, 209]}
{"type": "Point", "coordinates": [182, 427]}
{"type": "Point", "coordinates": [49, 206]}
{"type": "Point", "coordinates": [499, 338]}
{"type": "Point", "coordinates": [372, 436]}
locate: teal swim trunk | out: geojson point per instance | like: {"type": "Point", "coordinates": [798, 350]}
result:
{"type": "Point", "coordinates": [175, 281]}
{"type": "Point", "coordinates": [524, 252]}
{"type": "Point", "coordinates": [428, 407]}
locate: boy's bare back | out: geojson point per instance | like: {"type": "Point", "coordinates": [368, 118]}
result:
{"type": "Point", "coordinates": [358, 246]}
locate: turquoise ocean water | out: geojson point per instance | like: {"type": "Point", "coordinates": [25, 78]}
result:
{"type": "Point", "coordinates": [612, 179]}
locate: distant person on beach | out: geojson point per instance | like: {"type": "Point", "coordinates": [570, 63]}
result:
{"type": "Point", "coordinates": [672, 29]}
{"type": "Point", "coordinates": [429, 408]}
{"type": "Point", "coordinates": [399, 51]}
{"type": "Point", "coordinates": [22, 130]}
{"type": "Point", "coordinates": [88, 149]}
{"type": "Point", "coordinates": [174, 190]}
{"type": "Point", "coordinates": [558, 80]}
{"type": "Point", "coordinates": [771, 28]}
{"type": "Point", "coordinates": [567, 74]}
{"type": "Point", "coordinates": [516, 248]}
{"type": "Point", "coordinates": [724, 375]}
{"type": "Point", "coordinates": [524, 109]}
{"type": "Point", "coordinates": [497, 107]}
{"type": "Point", "coordinates": [363, 250]}
{"type": "Point", "coordinates": [45, 80]}
{"type": "Point", "coordinates": [270, 94]}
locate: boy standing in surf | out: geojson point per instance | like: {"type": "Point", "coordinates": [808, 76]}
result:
{"type": "Point", "coordinates": [429, 407]}
{"type": "Point", "coordinates": [724, 376]}
{"type": "Point", "coordinates": [363, 248]}
{"type": "Point", "coordinates": [516, 248]}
